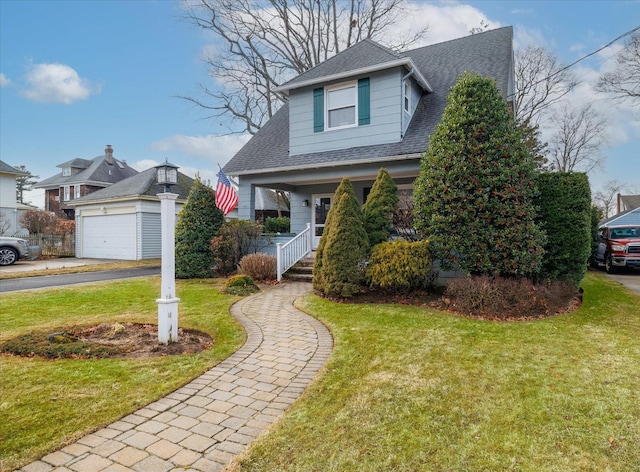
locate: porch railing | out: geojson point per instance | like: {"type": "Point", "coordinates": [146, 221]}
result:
{"type": "Point", "coordinates": [292, 251]}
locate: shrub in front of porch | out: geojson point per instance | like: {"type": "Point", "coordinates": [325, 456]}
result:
{"type": "Point", "coordinates": [346, 247]}
{"type": "Point", "coordinates": [262, 267]}
{"type": "Point", "coordinates": [344, 187]}
{"type": "Point", "coordinates": [379, 208]}
{"type": "Point", "coordinates": [400, 266]}
{"type": "Point", "coordinates": [236, 239]}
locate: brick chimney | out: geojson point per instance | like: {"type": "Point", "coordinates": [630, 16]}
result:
{"type": "Point", "coordinates": [108, 152]}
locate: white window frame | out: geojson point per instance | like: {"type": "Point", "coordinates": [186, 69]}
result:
{"type": "Point", "coordinates": [76, 191]}
{"type": "Point", "coordinates": [66, 171]}
{"type": "Point", "coordinates": [67, 193]}
{"type": "Point", "coordinates": [406, 96]}
{"type": "Point", "coordinates": [334, 88]}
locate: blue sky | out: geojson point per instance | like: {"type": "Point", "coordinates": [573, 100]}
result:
{"type": "Point", "coordinates": [77, 75]}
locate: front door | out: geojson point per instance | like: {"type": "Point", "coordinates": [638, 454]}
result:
{"type": "Point", "coordinates": [322, 204]}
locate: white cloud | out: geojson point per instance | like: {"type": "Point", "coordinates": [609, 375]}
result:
{"type": "Point", "coordinates": [216, 149]}
{"type": "Point", "coordinates": [444, 21]}
{"type": "Point", "coordinates": [56, 83]}
{"type": "Point", "coordinates": [4, 80]}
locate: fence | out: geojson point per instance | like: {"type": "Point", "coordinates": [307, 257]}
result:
{"type": "Point", "coordinates": [56, 245]}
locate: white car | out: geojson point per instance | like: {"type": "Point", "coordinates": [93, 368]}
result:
{"type": "Point", "coordinates": [12, 249]}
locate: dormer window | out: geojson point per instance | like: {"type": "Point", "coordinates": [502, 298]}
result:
{"type": "Point", "coordinates": [407, 96]}
{"type": "Point", "coordinates": [66, 171]}
{"type": "Point", "coordinates": [342, 105]}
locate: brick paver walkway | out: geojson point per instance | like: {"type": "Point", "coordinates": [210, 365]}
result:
{"type": "Point", "coordinates": [204, 424]}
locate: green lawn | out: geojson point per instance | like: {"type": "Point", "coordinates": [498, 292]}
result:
{"type": "Point", "coordinates": [411, 389]}
{"type": "Point", "coordinates": [44, 404]}
{"type": "Point", "coordinates": [406, 389]}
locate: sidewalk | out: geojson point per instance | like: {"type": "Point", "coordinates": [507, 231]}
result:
{"type": "Point", "coordinates": [205, 424]}
{"type": "Point", "coordinates": [60, 263]}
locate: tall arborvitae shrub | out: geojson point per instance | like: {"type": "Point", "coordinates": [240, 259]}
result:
{"type": "Point", "coordinates": [474, 195]}
{"type": "Point", "coordinates": [344, 186]}
{"type": "Point", "coordinates": [198, 222]}
{"type": "Point", "coordinates": [346, 247]}
{"type": "Point", "coordinates": [378, 210]}
{"type": "Point", "coordinates": [564, 212]}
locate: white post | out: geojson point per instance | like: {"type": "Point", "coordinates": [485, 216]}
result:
{"type": "Point", "coordinates": [168, 303]}
{"type": "Point", "coordinates": [278, 262]}
{"type": "Point", "coordinates": [310, 238]}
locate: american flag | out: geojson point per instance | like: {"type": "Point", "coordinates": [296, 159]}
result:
{"type": "Point", "coordinates": [226, 196]}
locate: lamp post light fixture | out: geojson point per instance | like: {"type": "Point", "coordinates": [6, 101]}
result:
{"type": "Point", "coordinates": [167, 175]}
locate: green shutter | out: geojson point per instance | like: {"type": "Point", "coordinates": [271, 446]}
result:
{"type": "Point", "coordinates": [363, 102]}
{"type": "Point", "coordinates": [318, 110]}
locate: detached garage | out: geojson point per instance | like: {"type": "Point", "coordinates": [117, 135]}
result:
{"type": "Point", "coordinates": [123, 221]}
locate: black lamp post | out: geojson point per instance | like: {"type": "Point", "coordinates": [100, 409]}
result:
{"type": "Point", "coordinates": [167, 174]}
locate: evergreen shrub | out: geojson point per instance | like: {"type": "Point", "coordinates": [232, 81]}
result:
{"type": "Point", "coordinates": [400, 266]}
{"type": "Point", "coordinates": [318, 273]}
{"type": "Point", "coordinates": [564, 213]}
{"type": "Point", "coordinates": [379, 208]}
{"type": "Point", "coordinates": [240, 284]}
{"type": "Point", "coordinates": [474, 196]}
{"type": "Point", "coordinates": [281, 224]}
{"type": "Point", "coordinates": [199, 220]}
{"type": "Point", "coordinates": [346, 248]}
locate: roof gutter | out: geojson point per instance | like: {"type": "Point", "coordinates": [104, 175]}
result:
{"type": "Point", "coordinates": [405, 61]}
{"type": "Point", "coordinates": [321, 165]}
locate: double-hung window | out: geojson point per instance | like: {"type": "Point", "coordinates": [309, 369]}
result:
{"type": "Point", "coordinates": [341, 106]}
{"type": "Point", "coordinates": [407, 96]}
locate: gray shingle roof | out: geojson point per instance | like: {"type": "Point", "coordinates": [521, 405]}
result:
{"type": "Point", "coordinates": [630, 201]}
{"type": "Point", "coordinates": [7, 169]}
{"type": "Point", "coordinates": [97, 170]}
{"type": "Point", "coordinates": [489, 53]}
{"type": "Point", "coordinates": [364, 54]}
{"type": "Point", "coordinates": [141, 184]}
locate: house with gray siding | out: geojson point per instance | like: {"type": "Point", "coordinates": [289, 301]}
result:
{"type": "Point", "coordinates": [79, 177]}
{"type": "Point", "coordinates": [122, 221]}
{"type": "Point", "coordinates": [365, 108]}
{"type": "Point", "coordinates": [10, 208]}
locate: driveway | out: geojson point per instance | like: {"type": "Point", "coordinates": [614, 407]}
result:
{"type": "Point", "coordinates": [630, 279]}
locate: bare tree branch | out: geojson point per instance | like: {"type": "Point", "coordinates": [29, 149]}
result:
{"type": "Point", "coordinates": [539, 85]}
{"type": "Point", "coordinates": [624, 82]}
{"type": "Point", "coordinates": [260, 44]}
{"type": "Point", "coordinates": [606, 199]}
{"type": "Point", "coordinates": [578, 140]}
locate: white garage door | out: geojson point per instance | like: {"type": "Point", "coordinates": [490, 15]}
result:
{"type": "Point", "coordinates": [109, 236]}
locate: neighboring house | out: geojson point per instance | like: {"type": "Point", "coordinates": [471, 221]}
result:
{"type": "Point", "coordinates": [81, 177]}
{"type": "Point", "coordinates": [269, 205]}
{"type": "Point", "coordinates": [628, 202]}
{"type": "Point", "coordinates": [122, 221]}
{"type": "Point", "coordinates": [628, 212]}
{"type": "Point", "coordinates": [365, 108]}
{"type": "Point", "coordinates": [10, 209]}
